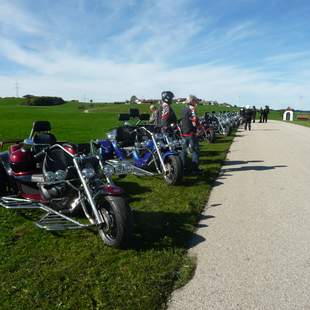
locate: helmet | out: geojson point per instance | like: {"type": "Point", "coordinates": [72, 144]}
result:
{"type": "Point", "coordinates": [167, 96]}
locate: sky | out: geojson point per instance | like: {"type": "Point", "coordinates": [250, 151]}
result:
{"type": "Point", "coordinates": [242, 52]}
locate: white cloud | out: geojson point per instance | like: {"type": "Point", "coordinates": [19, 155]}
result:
{"type": "Point", "coordinates": [73, 76]}
{"type": "Point", "coordinates": [144, 67]}
{"type": "Point", "coordinates": [13, 17]}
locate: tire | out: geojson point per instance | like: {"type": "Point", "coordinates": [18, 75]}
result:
{"type": "Point", "coordinates": [175, 170]}
{"type": "Point", "coordinates": [3, 181]}
{"type": "Point", "coordinates": [118, 231]}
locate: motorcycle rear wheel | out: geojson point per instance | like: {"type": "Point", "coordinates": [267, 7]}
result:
{"type": "Point", "coordinates": [174, 166]}
{"type": "Point", "coordinates": [3, 181]}
{"type": "Point", "coordinates": [117, 232]}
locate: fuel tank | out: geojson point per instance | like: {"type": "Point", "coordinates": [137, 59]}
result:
{"type": "Point", "coordinates": [106, 149]}
{"type": "Point", "coordinates": [21, 161]}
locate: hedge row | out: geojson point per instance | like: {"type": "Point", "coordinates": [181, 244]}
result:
{"type": "Point", "coordinates": [44, 101]}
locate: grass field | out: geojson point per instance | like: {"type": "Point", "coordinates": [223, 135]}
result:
{"type": "Point", "coordinates": [278, 115]}
{"type": "Point", "coordinates": [42, 270]}
{"type": "Point", "coordinates": [302, 123]}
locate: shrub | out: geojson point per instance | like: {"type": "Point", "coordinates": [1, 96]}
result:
{"type": "Point", "coordinates": [44, 101]}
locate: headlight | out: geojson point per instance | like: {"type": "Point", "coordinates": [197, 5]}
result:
{"type": "Point", "coordinates": [49, 176]}
{"type": "Point", "coordinates": [108, 170]}
{"type": "Point", "coordinates": [88, 173]}
{"type": "Point", "coordinates": [111, 135]}
{"type": "Point", "coordinates": [60, 175]}
{"type": "Point", "coordinates": [161, 144]}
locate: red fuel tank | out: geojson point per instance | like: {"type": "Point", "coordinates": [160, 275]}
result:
{"type": "Point", "coordinates": [21, 160]}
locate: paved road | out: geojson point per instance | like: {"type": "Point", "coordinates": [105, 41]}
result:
{"type": "Point", "coordinates": [257, 226]}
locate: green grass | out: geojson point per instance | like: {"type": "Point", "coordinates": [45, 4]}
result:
{"type": "Point", "coordinates": [74, 270]}
{"type": "Point", "coordinates": [302, 123]}
{"type": "Point", "coordinates": [278, 115]}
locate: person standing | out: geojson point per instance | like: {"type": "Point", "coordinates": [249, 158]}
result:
{"type": "Point", "coordinates": [254, 114]}
{"type": "Point", "coordinates": [242, 114]}
{"type": "Point", "coordinates": [166, 113]}
{"type": "Point", "coordinates": [248, 113]}
{"type": "Point", "coordinates": [261, 115]}
{"type": "Point", "coordinates": [189, 122]}
{"type": "Point", "coordinates": [265, 114]}
{"type": "Point", "coordinates": [154, 118]}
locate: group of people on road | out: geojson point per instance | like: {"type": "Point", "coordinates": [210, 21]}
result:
{"type": "Point", "coordinates": [165, 117]}
{"type": "Point", "coordinates": [248, 115]}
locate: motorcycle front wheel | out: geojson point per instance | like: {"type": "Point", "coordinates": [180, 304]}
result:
{"type": "Point", "coordinates": [116, 232]}
{"type": "Point", "coordinates": [174, 168]}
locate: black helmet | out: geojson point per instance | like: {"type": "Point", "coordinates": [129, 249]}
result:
{"type": "Point", "coordinates": [167, 96]}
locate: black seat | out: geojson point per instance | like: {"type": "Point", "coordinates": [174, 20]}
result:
{"type": "Point", "coordinates": [40, 133]}
{"type": "Point", "coordinates": [44, 138]}
{"type": "Point", "coordinates": [39, 126]}
{"type": "Point", "coordinates": [125, 136]}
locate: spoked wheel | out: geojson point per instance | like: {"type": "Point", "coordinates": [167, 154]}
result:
{"type": "Point", "coordinates": [116, 231]}
{"type": "Point", "coordinates": [174, 168]}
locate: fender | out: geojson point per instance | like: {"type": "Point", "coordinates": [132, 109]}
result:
{"type": "Point", "coordinates": [167, 154]}
{"type": "Point", "coordinates": [117, 151]}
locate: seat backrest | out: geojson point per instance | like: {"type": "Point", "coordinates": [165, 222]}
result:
{"type": "Point", "coordinates": [40, 133]}
{"type": "Point", "coordinates": [124, 117]}
{"type": "Point", "coordinates": [134, 113]}
{"type": "Point", "coordinates": [125, 135]}
{"type": "Point", "coordinates": [39, 126]}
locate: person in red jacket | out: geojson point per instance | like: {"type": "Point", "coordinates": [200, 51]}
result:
{"type": "Point", "coordinates": [167, 115]}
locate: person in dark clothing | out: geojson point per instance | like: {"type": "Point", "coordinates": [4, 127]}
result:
{"type": "Point", "coordinates": [265, 114]}
{"type": "Point", "coordinates": [261, 115]}
{"type": "Point", "coordinates": [242, 115]}
{"type": "Point", "coordinates": [248, 113]}
{"type": "Point", "coordinates": [166, 113]}
{"type": "Point", "coordinates": [189, 124]}
{"type": "Point", "coordinates": [254, 114]}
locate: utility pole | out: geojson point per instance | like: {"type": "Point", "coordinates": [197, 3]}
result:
{"type": "Point", "coordinates": [17, 89]}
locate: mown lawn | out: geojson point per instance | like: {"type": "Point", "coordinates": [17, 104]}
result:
{"type": "Point", "coordinates": [278, 115]}
{"type": "Point", "coordinates": [74, 270]}
{"type": "Point", "coordinates": [302, 123]}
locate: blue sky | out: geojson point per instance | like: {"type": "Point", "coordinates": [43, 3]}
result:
{"type": "Point", "coordinates": [241, 51]}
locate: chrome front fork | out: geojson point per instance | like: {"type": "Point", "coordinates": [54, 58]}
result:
{"type": "Point", "coordinates": [88, 193]}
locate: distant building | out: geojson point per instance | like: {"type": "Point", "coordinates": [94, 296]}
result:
{"type": "Point", "coordinates": [180, 100]}
{"type": "Point", "coordinates": [145, 101]}
{"type": "Point", "coordinates": [288, 115]}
